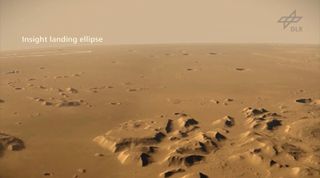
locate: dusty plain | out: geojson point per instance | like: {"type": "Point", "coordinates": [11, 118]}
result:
{"type": "Point", "coordinates": [148, 111]}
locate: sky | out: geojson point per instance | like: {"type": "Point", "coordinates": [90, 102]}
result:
{"type": "Point", "coordinates": [158, 21]}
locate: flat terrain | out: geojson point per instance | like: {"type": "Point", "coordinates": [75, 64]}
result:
{"type": "Point", "coordinates": [262, 99]}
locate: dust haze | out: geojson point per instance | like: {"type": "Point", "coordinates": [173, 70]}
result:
{"type": "Point", "coordinates": [155, 21]}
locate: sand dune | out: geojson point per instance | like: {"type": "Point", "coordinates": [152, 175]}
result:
{"type": "Point", "coordinates": [181, 143]}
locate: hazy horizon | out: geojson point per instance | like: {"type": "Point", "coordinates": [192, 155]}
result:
{"type": "Point", "coordinates": [158, 22]}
